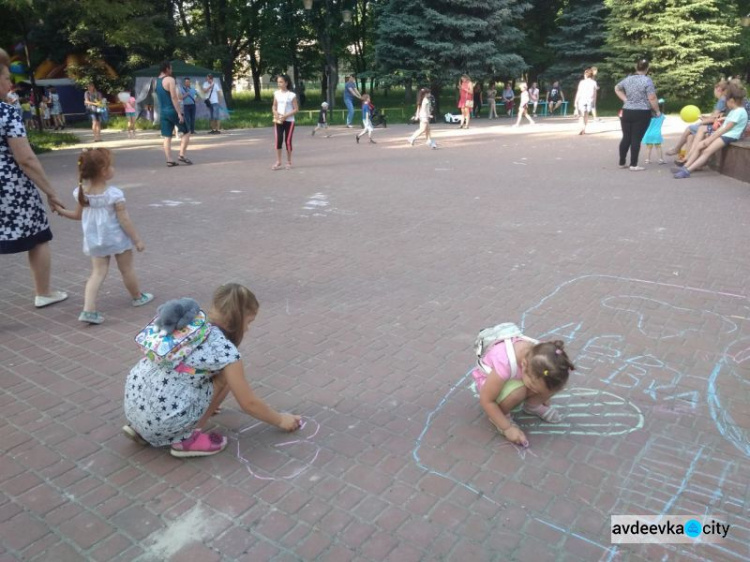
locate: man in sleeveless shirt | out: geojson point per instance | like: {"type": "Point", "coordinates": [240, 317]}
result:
{"type": "Point", "coordinates": [170, 114]}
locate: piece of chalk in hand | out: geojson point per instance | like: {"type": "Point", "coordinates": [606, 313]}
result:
{"type": "Point", "coordinates": [525, 443]}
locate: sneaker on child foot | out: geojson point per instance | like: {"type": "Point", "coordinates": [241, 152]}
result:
{"type": "Point", "coordinates": [199, 444]}
{"type": "Point", "coordinates": [133, 435]}
{"type": "Point", "coordinates": [145, 298]}
{"type": "Point", "coordinates": [91, 317]}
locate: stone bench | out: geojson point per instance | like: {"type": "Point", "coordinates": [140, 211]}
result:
{"type": "Point", "coordinates": [733, 161]}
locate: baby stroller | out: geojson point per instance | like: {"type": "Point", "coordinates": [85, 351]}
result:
{"type": "Point", "coordinates": [378, 118]}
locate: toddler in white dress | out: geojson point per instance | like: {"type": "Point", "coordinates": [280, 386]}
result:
{"type": "Point", "coordinates": [107, 230]}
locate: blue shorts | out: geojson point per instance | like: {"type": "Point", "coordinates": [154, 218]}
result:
{"type": "Point", "coordinates": [728, 140]}
{"type": "Point", "coordinates": [214, 112]}
{"type": "Point", "coordinates": [695, 126]}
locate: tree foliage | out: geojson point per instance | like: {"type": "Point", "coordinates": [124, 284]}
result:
{"type": "Point", "coordinates": [441, 39]}
{"type": "Point", "coordinates": [120, 34]}
{"type": "Point", "coordinates": [689, 42]}
{"type": "Point", "coordinates": [579, 40]}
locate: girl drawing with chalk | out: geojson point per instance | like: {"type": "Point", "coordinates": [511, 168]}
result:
{"type": "Point", "coordinates": [517, 370]}
{"type": "Point", "coordinates": [191, 364]}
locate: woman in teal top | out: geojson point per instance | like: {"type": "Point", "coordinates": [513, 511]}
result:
{"type": "Point", "coordinates": [170, 115]}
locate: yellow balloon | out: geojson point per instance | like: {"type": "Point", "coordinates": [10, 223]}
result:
{"type": "Point", "coordinates": [690, 113]}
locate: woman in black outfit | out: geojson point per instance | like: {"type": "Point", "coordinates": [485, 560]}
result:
{"type": "Point", "coordinates": [638, 93]}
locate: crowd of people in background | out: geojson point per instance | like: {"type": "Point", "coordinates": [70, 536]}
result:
{"type": "Point", "coordinates": [641, 117]}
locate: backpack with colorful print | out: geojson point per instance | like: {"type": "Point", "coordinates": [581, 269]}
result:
{"type": "Point", "coordinates": [171, 348]}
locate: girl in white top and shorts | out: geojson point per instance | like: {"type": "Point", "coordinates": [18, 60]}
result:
{"type": "Point", "coordinates": [284, 107]}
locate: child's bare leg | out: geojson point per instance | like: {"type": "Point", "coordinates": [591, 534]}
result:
{"type": "Point", "coordinates": [129, 278]}
{"type": "Point", "coordinates": [695, 150]}
{"type": "Point", "coordinates": [660, 153]}
{"type": "Point", "coordinates": [509, 403]}
{"type": "Point", "coordinates": [221, 390]}
{"type": "Point", "coordinates": [100, 267]}
{"type": "Point", "coordinates": [716, 145]}
{"type": "Point", "coordinates": [683, 139]}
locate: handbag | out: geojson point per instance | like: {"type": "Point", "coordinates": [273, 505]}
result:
{"type": "Point", "coordinates": [207, 101]}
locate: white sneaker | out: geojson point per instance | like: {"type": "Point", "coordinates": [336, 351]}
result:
{"type": "Point", "coordinates": [40, 301]}
{"type": "Point", "coordinates": [145, 298]}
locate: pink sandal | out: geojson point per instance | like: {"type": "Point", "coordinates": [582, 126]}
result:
{"type": "Point", "coordinates": [199, 444]}
{"type": "Point", "coordinates": [547, 413]}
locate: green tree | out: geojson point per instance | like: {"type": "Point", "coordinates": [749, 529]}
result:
{"type": "Point", "coordinates": [689, 42]}
{"type": "Point", "coordinates": [121, 34]}
{"type": "Point", "coordinates": [579, 40]}
{"type": "Point", "coordinates": [540, 27]}
{"type": "Point", "coordinates": [439, 40]}
{"type": "Point", "coordinates": [216, 33]}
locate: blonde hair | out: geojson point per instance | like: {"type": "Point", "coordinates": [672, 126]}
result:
{"type": "Point", "coordinates": [232, 302]}
{"type": "Point", "coordinates": [92, 164]}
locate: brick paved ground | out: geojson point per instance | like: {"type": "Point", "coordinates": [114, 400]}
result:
{"type": "Point", "coordinates": [375, 266]}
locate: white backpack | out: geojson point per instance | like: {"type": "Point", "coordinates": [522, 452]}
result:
{"type": "Point", "coordinates": [489, 337]}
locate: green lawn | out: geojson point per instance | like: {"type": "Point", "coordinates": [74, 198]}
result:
{"type": "Point", "coordinates": [46, 141]}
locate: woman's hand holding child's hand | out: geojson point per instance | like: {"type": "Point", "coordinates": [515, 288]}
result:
{"type": "Point", "coordinates": [55, 203]}
{"type": "Point", "coordinates": [515, 435]}
{"type": "Point", "coordinates": [290, 422]}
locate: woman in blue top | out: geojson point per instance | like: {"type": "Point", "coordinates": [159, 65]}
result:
{"type": "Point", "coordinates": [638, 93]}
{"type": "Point", "coordinates": [188, 105]}
{"type": "Point", "coordinates": [350, 92]}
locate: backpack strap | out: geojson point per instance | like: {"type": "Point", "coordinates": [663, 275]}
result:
{"type": "Point", "coordinates": [511, 357]}
{"type": "Point", "coordinates": [511, 352]}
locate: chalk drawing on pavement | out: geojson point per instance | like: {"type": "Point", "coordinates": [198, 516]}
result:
{"type": "Point", "coordinates": [271, 455]}
{"type": "Point", "coordinates": [702, 374]}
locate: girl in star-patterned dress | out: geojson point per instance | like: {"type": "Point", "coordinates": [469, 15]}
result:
{"type": "Point", "coordinates": [168, 405]}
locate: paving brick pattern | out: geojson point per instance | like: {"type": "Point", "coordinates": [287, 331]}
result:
{"type": "Point", "coordinates": [375, 266]}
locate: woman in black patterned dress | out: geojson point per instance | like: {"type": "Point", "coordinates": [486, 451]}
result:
{"type": "Point", "coordinates": [23, 220]}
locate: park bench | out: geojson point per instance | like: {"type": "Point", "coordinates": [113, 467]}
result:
{"type": "Point", "coordinates": [541, 108]}
{"type": "Point", "coordinates": [733, 161]}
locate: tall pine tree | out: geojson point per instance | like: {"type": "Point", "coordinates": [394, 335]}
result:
{"type": "Point", "coordinates": [579, 41]}
{"type": "Point", "coordinates": [439, 40]}
{"type": "Point", "coordinates": [689, 42]}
